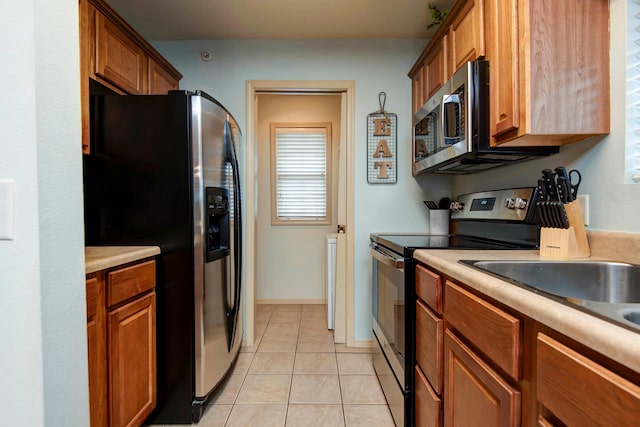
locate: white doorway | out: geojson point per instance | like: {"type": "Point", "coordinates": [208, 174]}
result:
{"type": "Point", "coordinates": [291, 236]}
{"type": "Point", "coordinates": [344, 326]}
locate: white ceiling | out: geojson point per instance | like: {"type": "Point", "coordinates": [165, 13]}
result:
{"type": "Point", "coordinates": [278, 19]}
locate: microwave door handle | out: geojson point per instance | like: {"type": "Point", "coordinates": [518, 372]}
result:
{"type": "Point", "coordinates": [447, 99]}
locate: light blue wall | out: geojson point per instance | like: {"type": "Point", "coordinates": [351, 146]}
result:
{"type": "Point", "coordinates": [43, 345]}
{"type": "Point", "coordinates": [613, 204]}
{"type": "Point", "coordinates": [375, 65]}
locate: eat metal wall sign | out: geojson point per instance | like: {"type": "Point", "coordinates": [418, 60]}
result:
{"type": "Point", "coordinates": [381, 147]}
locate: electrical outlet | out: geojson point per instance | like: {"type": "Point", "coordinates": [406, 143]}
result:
{"type": "Point", "coordinates": [7, 208]}
{"type": "Point", "coordinates": [584, 205]}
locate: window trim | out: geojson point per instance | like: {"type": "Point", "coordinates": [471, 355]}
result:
{"type": "Point", "coordinates": [326, 126]}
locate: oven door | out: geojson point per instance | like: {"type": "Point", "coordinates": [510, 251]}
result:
{"type": "Point", "coordinates": [390, 353]}
{"type": "Point", "coordinates": [389, 308]}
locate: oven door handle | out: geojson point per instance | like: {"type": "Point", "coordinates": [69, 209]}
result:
{"type": "Point", "coordinates": [386, 257]}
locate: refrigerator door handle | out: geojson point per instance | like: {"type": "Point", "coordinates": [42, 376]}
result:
{"type": "Point", "coordinates": [232, 314]}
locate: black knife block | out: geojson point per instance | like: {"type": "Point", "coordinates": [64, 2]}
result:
{"type": "Point", "coordinates": [566, 243]}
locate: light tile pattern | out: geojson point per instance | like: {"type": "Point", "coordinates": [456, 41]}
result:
{"type": "Point", "coordinates": [294, 376]}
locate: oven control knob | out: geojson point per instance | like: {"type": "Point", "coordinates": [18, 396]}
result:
{"type": "Point", "coordinates": [456, 206]}
{"type": "Point", "coordinates": [521, 203]}
{"type": "Point", "coordinates": [509, 203]}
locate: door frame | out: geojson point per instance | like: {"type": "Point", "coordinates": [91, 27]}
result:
{"type": "Point", "coordinates": [253, 87]}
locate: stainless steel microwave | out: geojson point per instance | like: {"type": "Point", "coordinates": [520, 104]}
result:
{"type": "Point", "coordinates": [451, 130]}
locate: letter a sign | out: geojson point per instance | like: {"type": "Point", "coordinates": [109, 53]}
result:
{"type": "Point", "coordinates": [381, 148]}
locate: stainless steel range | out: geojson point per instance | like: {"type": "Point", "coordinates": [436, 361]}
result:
{"type": "Point", "coordinates": [500, 219]}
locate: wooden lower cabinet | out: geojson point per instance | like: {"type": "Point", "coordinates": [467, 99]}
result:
{"type": "Point", "coordinates": [428, 405]}
{"type": "Point", "coordinates": [502, 368]}
{"type": "Point", "coordinates": [429, 330]}
{"type": "Point", "coordinates": [474, 394]}
{"type": "Point", "coordinates": [97, 352]}
{"type": "Point", "coordinates": [121, 339]}
{"type": "Point", "coordinates": [132, 361]}
{"type": "Point", "coordinates": [581, 392]}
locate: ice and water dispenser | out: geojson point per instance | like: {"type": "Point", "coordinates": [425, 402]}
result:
{"type": "Point", "coordinates": [217, 217]}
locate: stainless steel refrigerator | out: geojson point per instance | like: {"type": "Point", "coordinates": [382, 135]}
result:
{"type": "Point", "coordinates": [164, 171]}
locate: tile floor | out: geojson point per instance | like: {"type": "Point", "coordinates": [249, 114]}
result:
{"type": "Point", "coordinates": [295, 375]}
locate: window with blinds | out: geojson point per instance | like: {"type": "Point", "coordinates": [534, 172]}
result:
{"type": "Point", "coordinates": [300, 173]}
{"type": "Point", "coordinates": [632, 164]}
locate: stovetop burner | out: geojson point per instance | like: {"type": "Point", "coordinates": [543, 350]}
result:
{"type": "Point", "coordinates": [405, 244]}
{"type": "Point", "coordinates": [500, 219]}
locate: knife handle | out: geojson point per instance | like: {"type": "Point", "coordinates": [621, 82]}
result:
{"type": "Point", "coordinates": [564, 194]}
{"type": "Point", "coordinates": [552, 187]}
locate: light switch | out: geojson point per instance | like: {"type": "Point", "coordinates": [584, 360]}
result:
{"type": "Point", "coordinates": [7, 208]}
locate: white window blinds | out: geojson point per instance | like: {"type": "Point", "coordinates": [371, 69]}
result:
{"type": "Point", "coordinates": [301, 167]}
{"type": "Point", "coordinates": [632, 167]}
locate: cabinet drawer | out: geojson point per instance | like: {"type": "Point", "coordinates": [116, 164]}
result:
{"type": "Point", "coordinates": [429, 288]}
{"type": "Point", "coordinates": [428, 405]}
{"type": "Point", "coordinates": [429, 350]}
{"type": "Point", "coordinates": [496, 333]}
{"type": "Point", "coordinates": [581, 392]}
{"type": "Point", "coordinates": [92, 297]}
{"type": "Point", "coordinates": [130, 281]}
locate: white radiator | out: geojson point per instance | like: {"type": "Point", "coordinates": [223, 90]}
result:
{"type": "Point", "coordinates": [332, 240]}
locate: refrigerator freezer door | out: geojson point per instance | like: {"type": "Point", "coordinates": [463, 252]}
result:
{"type": "Point", "coordinates": [215, 284]}
{"type": "Point", "coordinates": [212, 356]}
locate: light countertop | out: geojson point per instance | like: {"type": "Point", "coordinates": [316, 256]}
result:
{"type": "Point", "coordinates": [615, 342]}
{"type": "Point", "coordinates": [98, 258]}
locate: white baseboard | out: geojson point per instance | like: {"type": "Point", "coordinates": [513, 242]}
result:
{"type": "Point", "coordinates": [291, 301]}
{"type": "Point", "coordinates": [363, 343]}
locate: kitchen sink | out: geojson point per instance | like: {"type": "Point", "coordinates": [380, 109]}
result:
{"type": "Point", "coordinates": [608, 289]}
{"type": "Point", "coordinates": [632, 316]}
{"type": "Point", "coordinates": [592, 281]}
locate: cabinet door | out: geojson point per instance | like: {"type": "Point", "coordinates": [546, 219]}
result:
{"type": "Point", "coordinates": [119, 59]}
{"type": "Point", "coordinates": [474, 394]}
{"type": "Point", "coordinates": [160, 81]}
{"type": "Point", "coordinates": [428, 411]}
{"type": "Point", "coordinates": [85, 12]}
{"type": "Point", "coordinates": [417, 90]}
{"type": "Point", "coordinates": [581, 392]}
{"type": "Point", "coordinates": [467, 34]}
{"type": "Point", "coordinates": [502, 53]}
{"type": "Point", "coordinates": [132, 361]}
{"type": "Point", "coordinates": [436, 69]}
{"type": "Point", "coordinates": [97, 353]}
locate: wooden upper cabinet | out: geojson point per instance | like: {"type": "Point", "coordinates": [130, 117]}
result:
{"type": "Point", "coordinates": [466, 33]}
{"type": "Point", "coordinates": [114, 54]}
{"type": "Point", "coordinates": [548, 66]}
{"type": "Point", "coordinates": [549, 70]}
{"type": "Point", "coordinates": [502, 53]}
{"type": "Point", "coordinates": [436, 68]}
{"type": "Point", "coordinates": [160, 81]}
{"type": "Point", "coordinates": [118, 58]}
{"type": "Point", "coordinates": [417, 89]}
